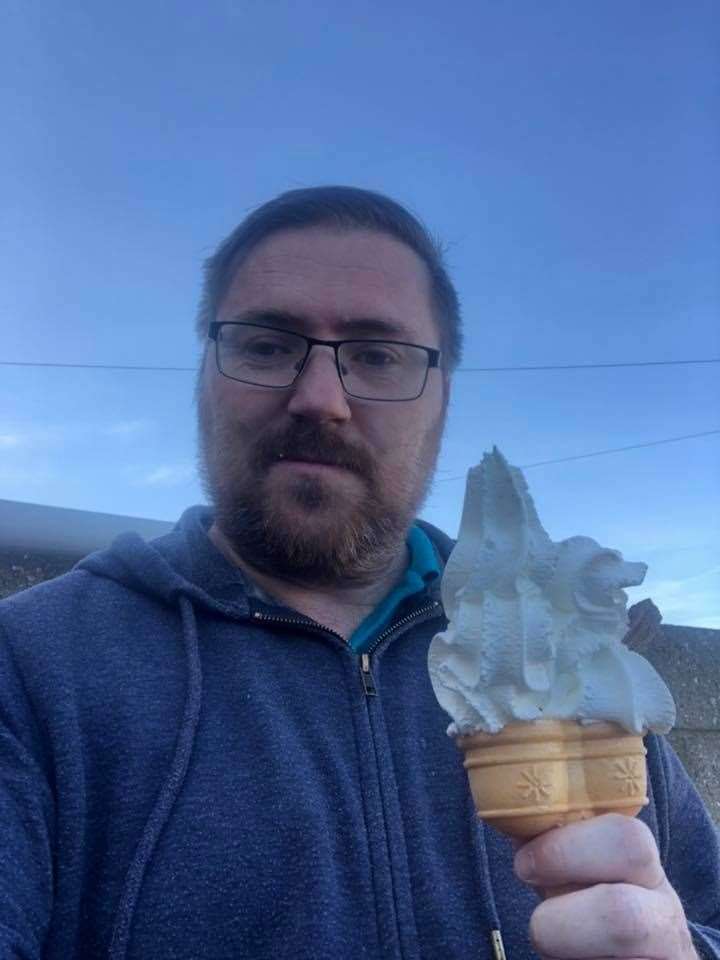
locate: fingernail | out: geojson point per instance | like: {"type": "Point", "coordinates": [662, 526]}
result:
{"type": "Point", "coordinates": [525, 864]}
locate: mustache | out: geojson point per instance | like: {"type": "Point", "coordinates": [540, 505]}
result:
{"type": "Point", "coordinates": [315, 443]}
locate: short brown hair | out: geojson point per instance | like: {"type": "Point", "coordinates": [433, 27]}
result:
{"type": "Point", "coordinates": [347, 208]}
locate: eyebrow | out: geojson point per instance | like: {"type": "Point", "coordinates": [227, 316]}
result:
{"type": "Point", "coordinates": [379, 326]}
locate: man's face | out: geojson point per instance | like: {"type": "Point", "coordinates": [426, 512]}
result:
{"type": "Point", "coordinates": [341, 515]}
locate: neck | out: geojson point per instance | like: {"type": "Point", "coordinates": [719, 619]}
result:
{"type": "Point", "coordinates": [339, 606]}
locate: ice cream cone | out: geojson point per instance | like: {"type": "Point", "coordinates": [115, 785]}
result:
{"type": "Point", "coordinates": [533, 776]}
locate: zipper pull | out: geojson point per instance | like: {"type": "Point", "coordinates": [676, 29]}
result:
{"type": "Point", "coordinates": [367, 677]}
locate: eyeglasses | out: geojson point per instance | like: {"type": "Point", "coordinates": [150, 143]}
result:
{"type": "Point", "coordinates": [368, 369]}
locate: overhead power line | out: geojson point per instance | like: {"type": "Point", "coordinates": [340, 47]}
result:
{"type": "Point", "coordinates": [92, 366]}
{"type": "Point", "coordinates": [600, 453]}
{"type": "Point", "coordinates": [557, 366]}
{"type": "Point", "coordinates": [585, 366]}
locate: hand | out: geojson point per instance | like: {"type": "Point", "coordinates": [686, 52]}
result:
{"type": "Point", "coordinates": [625, 906]}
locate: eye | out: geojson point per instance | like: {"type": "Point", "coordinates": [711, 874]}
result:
{"type": "Point", "coordinates": [375, 356]}
{"type": "Point", "coordinates": [266, 349]}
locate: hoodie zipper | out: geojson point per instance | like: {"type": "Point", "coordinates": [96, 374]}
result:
{"type": "Point", "coordinates": [368, 682]}
{"type": "Point", "coordinates": [297, 622]}
{"type": "Point", "coordinates": [417, 616]}
{"type": "Point", "coordinates": [366, 676]}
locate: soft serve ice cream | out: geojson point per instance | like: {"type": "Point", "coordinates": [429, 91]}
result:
{"type": "Point", "coordinates": [535, 627]}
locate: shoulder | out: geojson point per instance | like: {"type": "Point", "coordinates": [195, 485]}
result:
{"type": "Point", "coordinates": [40, 627]}
{"type": "Point", "coordinates": [45, 601]}
{"type": "Point", "coordinates": [677, 812]}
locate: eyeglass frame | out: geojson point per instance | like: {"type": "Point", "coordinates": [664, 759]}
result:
{"type": "Point", "coordinates": [433, 354]}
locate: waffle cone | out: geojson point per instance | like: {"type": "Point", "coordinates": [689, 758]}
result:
{"type": "Point", "coordinates": [532, 776]}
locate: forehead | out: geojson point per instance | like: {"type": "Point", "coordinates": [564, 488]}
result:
{"type": "Point", "coordinates": [329, 278]}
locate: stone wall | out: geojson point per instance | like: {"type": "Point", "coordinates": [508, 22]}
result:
{"type": "Point", "coordinates": [687, 658]}
{"type": "Point", "coordinates": [20, 569]}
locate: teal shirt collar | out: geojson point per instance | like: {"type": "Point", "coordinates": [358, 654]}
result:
{"type": "Point", "coordinates": [422, 569]}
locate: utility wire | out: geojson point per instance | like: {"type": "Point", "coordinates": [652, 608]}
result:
{"type": "Point", "coordinates": [601, 453]}
{"type": "Point", "coordinates": [527, 466]}
{"type": "Point", "coordinates": [92, 366]}
{"type": "Point", "coordinates": [562, 366]}
{"type": "Point", "coordinates": [585, 366]}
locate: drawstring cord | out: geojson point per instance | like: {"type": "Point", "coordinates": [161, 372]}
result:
{"type": "Point", "coordinates": [170, 790]}
{"type": "Point", "coordinates": [492, 917]}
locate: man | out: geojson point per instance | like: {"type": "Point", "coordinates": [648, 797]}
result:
{"type": "Point", "coordinates": [224, 744]}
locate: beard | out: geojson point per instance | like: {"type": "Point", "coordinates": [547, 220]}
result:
{"type": "Point", "coordinates": [309, 529]}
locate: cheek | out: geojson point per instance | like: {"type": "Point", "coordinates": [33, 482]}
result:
{"type": "Point", "coordinates": [244, 406]}
{"type": "Point", "coordinates": [398, 436]}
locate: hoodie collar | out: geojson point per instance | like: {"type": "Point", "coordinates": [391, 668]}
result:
{"type": "Point", "coordinates": [184, 562]}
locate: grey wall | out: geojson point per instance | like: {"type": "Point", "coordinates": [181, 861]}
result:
{"type": "Point", "coordinates": [20, 569]}
{"type": "Point", "coordinates": [688, 659]}
{"type": "Point", "coordinates": [38, 528]}
{"type": "Point", "coordinates": [695, 680]}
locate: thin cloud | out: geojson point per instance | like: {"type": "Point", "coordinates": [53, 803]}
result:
{"type": "Point", "coordinates": [689, 601]}
{"type": "Point", "coordinates": [706, 623]}
{"type": "Point", "coordinates": [168, 475]}
{"type": "Point", "coordinates": [30, 436]}
{"type": "Point", "coordinates": [26, 477]}
{"type": "Point", "coordinates": [127, 428]}
{"type": "Point", "coordinates": [53, 436]}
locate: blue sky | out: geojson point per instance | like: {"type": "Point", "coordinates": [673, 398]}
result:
{"type": "Point", "coordinates": [566, 152]}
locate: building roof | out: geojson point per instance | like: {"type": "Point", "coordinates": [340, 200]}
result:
{"type": "Point", "coordinates": [34, 526]}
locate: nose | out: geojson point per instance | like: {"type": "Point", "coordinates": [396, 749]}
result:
{"type": "Point", "coordinates": [318, 393]}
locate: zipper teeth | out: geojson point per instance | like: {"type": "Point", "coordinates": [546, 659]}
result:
{"type": "Point", "coordinates": [318, 628]}
{"type": "Point", "coordinates": [297, 622]}
{"type": "Point", "coordinates": [433, 605]}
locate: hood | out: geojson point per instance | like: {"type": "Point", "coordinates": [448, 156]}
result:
{"type": "Point", "coordinates": [184, 562]}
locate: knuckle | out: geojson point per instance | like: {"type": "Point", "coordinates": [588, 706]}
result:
{"type": "Point", "coordinates": [625, 917]}
{"type": "Point", "coordinates": [538, 929]}
{"type": "Point", "coordinates": [672, 917]}
{"type": "Point", "coordinates": [551, 856]}
{"type": "Point", "coordinates": [686, 946]}
{"type": "Point", "coordinates": [638, 845]}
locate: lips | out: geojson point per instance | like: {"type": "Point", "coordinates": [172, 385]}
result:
{"type": "Point", "coordinates": [312, 461]}
{"type": "Point", "coordinates": [312, 445]}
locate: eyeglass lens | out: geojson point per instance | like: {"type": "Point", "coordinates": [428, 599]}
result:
{"type": "Point", "coordinates": [370, 369]}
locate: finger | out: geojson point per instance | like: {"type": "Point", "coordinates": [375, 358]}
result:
{"type": "Point", "coordinates": [607, 849]}
{"type": "Point", "coordinates": [612, 920]}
